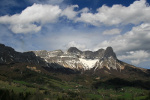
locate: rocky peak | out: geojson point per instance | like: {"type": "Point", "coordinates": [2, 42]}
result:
{"type": "Point", "coordinates": [74, 50]}
{"type": "Point", "coordinates": [41, 53]}
{"type": "Point", "coordinates": [88, 54]}
{"type": "Point", "coordinates": [100, 50]}
{"type": "Point", "coordinates": [4, 48]}
{"type": "Point", "coordinates": [109, 53]}
{"type": "Point", "coordinates": [57, 52]}
{"type": "Point", "coordinates": [2, 45]}
{"type": "Point", "coordinates": [48, 54]}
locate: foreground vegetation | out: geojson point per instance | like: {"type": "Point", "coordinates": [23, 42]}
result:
{"type": "Point", "coordinates": [19, 83]}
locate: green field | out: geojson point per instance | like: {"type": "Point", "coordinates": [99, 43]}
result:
{"type": "Point", "coordinates": [30, 85]}
{"type": "Point", "coordinates": [59, 90]}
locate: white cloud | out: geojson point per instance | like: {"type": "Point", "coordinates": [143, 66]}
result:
{"type": "Point", "coordinates": [112, 32]}
{"type": "Point", "coordinates": [75, 44]}
{"type": "Point", "coordinates": [32, 18]}
{"type": "Point", "coordinates": [141, 54]}
{"type": "Point", "coordinates": [37, 13]}
{"type": "Point", "coordinates": [136, 57]}
{"type": "Point", "coordinates": [40, 13]}
{"type": "Point", "coordinates": [84, 10]}
{"type": "Point", "coordinates": [117, 14]}
{"type": "Point", "coordinates": [25, 28]}
{"type": "Point", "coordinates": [69, 12]}
{"type": "Point", "coordinates": [136, 62]}
{"type": "Point", "coordinates": [136, 39]}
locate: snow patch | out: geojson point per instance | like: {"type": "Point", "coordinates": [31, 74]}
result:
{"type": "Point", "coordinates": [67, 56]}
{"type": "Point", "coordinates": [89, 63]}
{"type": "Point", "coordinates": [2, 59]}
{"type": "Point", "coordinates": [46, 60]}
{"type": "Point", "coordinates": [101, 63]}
{"type": "Point", "coordinates": [11, 56]}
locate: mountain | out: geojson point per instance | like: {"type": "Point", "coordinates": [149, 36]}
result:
{"type": "Point", "coordinates": [9, 55]}
{"type": "Point", "coordinates": [72, 61]}
{"type": "Point", "coordinates": [81, 60]}
{"type": "Point", "coordinates": [95, 61]}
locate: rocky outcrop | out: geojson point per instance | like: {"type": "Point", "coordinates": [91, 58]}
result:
{"type": "Point", "coordinates": [109, 53]}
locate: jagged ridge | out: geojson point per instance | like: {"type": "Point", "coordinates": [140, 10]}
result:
{"type": "Point", "coordinates": [74, 60]}
{"type": "Point", "coordinates": [82, 60]}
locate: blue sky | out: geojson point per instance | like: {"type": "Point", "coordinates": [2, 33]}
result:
{"type": "Point", "coordinates": [87, 24]}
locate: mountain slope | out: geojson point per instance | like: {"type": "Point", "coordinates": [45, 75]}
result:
{"type": "Point", "coordinates": [9, 55]}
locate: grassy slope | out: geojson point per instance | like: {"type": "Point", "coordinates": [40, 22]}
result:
{"type": "Point", "coordinates": [34, 86]}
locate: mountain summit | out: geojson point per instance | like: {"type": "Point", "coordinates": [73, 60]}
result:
{"type": "Point", "coordinates": [109, 53]}
{"type": "Point", "coordinates": [74, 50]}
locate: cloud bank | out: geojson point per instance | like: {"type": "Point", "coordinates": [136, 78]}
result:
{"type": "Point", "coordinates": [34, 17]}
{"type": "Point", "coordinates": [117, 14]}
{"type": "Point", "coordinates": [136, 57]}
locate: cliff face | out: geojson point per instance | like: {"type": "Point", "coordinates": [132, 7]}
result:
{"type": "Point", "coordinates": [81, 60]}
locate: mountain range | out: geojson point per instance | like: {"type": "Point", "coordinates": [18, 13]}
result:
{"type": "Point", "coordinates": [102, 61]}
